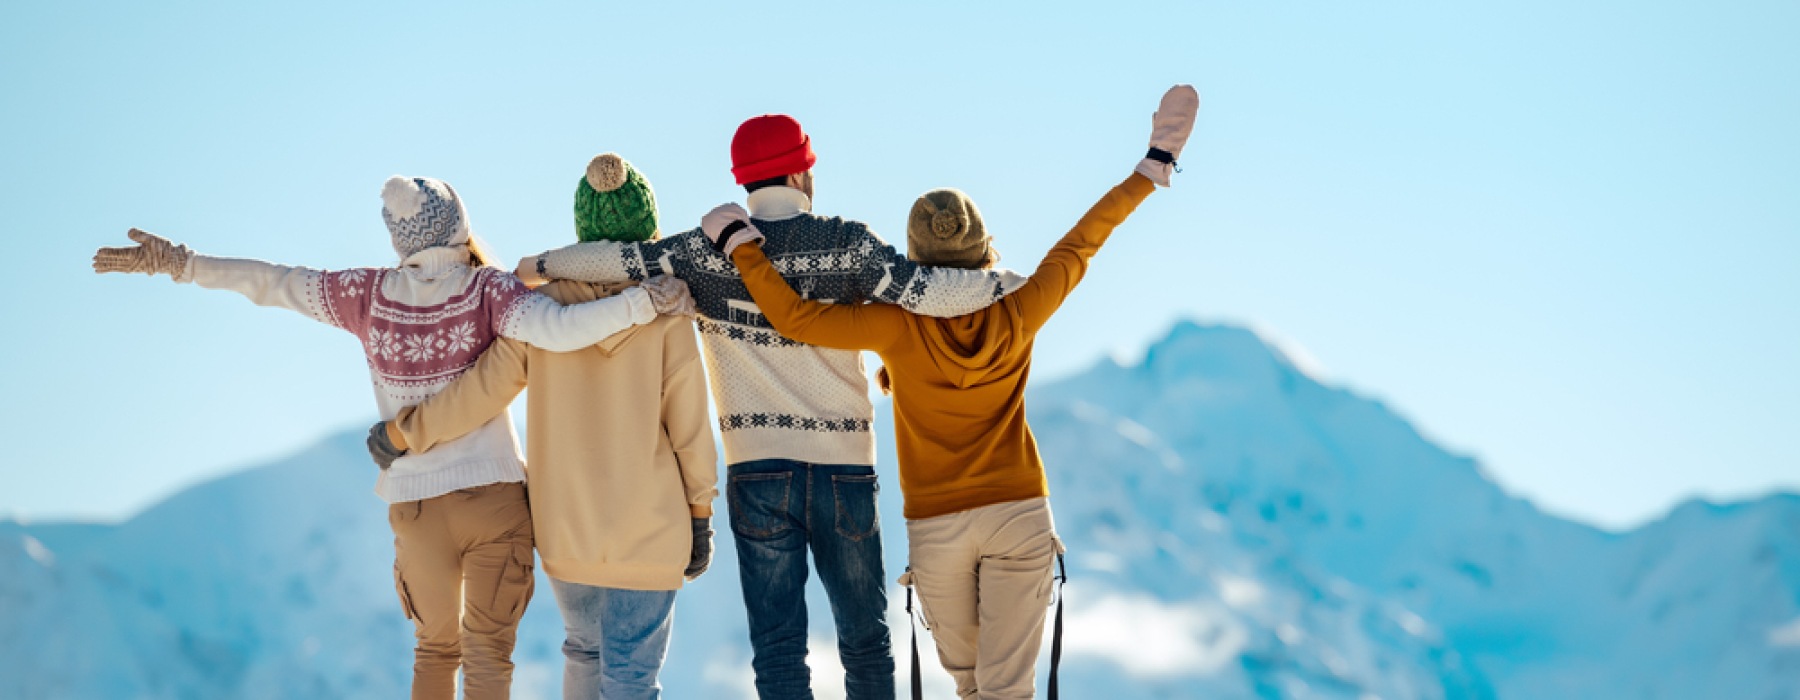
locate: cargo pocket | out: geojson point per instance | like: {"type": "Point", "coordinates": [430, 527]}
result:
{"type": "Point", "coordinates": [854, 495]}
{"type": "Point", "coordinates": [517, 580]}
{"type": "Point", "coordinates": [911, 583]}
{"type": "Point", "coordinates": [759, 504]}
{"type": "Point", "coordinates": [406, 604]}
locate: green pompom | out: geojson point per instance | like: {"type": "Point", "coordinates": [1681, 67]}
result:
{"type": "Point", "coordinates": [613, 202]}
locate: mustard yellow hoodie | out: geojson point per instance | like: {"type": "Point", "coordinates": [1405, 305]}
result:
{"type": "Point", "coordinates": [620, 448]}
{"type": "Point", "coordinates": [958, 383]}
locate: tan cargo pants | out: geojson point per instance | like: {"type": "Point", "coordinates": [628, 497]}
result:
{"type": "Point", "coordinates": [984, 580]}
{"type": "Point", "coordinates": [463, 568]}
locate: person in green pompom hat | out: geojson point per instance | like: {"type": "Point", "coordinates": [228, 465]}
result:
{"type": "Point", "coordinates": [623, 467]}
{"type": "Point", "coordinates": [613, 202]}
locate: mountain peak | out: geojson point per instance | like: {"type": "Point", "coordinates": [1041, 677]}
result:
{"type": "Point", "coordinates": [1227, 349]}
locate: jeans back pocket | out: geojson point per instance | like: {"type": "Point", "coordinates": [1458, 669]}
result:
{"type": "Point", "coordinates": [759, 503]}
{"type": "Point", "coordinates": [854, 496]}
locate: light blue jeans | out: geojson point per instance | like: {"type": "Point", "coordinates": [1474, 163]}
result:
{"type": "Point", "coordinates": [616, 643]}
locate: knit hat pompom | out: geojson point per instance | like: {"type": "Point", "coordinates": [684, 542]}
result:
{"type": "Point", "coordinates": [948, 222]}
{"type": "Point", "coordinates": [945, 230]}
{"type": "Point", "coordinates": [613, 202]}
{"type": "Point", "coordinates": [606, 172]}
{"type": "Point", "coordinates": [402, 197]}
{"type": "Point", "coordinates": [422, 212]}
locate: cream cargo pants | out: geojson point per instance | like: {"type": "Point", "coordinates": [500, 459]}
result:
{"type": "Point", "coordinates": [463, 568]}
{"type": "Point", "coordinates": [984, 579]}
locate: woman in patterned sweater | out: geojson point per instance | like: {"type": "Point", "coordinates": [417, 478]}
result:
{"type": "Point", "coordinates": [981, 540]}
{"type": "Point", "coordinates": [462, 530]}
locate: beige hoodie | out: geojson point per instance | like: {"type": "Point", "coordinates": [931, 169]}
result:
{"type": "Point", "coordinates": [621, 451]}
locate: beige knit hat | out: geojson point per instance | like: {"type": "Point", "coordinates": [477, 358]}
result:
{"type": "Point", "coordinates": [945, 230]}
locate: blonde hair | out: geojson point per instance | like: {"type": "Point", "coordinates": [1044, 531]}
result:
{"type": "Point", "coordinates": [480, 254]}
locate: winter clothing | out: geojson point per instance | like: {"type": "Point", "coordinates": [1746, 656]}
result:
{"type": "Point", "coordinates": [463, 569]}
{"type": "Point", "coordinates": [421, 213]}
{"type": "Point", "coordinates": [669, 296]}
{"type": "Point", "coordinates": [779, 509]}
{"type": "Point", "coordinates": [945, 229]}
{"type": "Point", "coordinates": [715, 223]}
{"type": "Point", "coordinates": [959, 383]}
{"type": "Point", "coordinates": [1170, 126]}
{"type": "Point", "coordinates": [381, 446]}
{"type": "Point", "coordinates": [153, 255]}
{"type": "Point", "coordinates": [613, 202]}
{"type": "Point", "coordinates": [421, 326]}
{"type": "Point", "coordinates": [700, 558]}
{"type": "Point", "coordinates": [984, 576]}
{"type": "Point", "coordinates": [770, 146]}
{"type": "Point", "coordinates": [617, 640]}
{"type": "Point", "coordinates": [613, 485]}
{"type": "Point", "coordinates": [778, 398]}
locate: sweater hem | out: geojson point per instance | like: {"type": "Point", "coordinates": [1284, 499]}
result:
{"type": "Point", "coordinates": [406, 488]}
{"type": "Point", "coordinates": [751, 444]}
{"type": "Point", "coordinates": [634, 577]}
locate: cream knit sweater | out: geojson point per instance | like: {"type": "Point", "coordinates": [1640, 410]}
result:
{"type": "Point", "coordinates": [621, 448]}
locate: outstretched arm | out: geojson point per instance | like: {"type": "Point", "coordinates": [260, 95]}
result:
{"type": "Point", "coordinates": [335, 298]}
{"type": "Point", "coordinates": [467, 403]}
{"type": "Point", "coordinates": [1067, 263]}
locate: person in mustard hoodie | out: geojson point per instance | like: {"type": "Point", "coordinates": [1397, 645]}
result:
{"type": "Point", "coordinates": [981, 539]}
{"type": "Point", "coordinates": [623, 470]}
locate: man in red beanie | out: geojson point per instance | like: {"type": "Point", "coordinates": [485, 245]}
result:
{"type": "Point", "coordinates": [795, 418]}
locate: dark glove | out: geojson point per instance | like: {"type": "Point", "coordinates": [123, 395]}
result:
{"type": "Point", "coordinates": [701, 558]}
{"type": "Point", "coordinates": [381, 448]}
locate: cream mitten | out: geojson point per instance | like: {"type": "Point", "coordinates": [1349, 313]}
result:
{"type": "Point", "coordinates": [669, 295]}
{"type": "Point", "coordinates": [728, 226]}
{"type": "Point", "coordinates": [153, 254]}
{"type": "Point", "coordinates": [1169, 129]}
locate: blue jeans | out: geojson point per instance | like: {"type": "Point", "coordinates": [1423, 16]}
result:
{"type": "Point", "coordinates": [617, 640]}
{"type": "Point", "coordinates": [780, 508]}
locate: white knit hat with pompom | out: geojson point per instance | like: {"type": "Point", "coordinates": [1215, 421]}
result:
{"type": "Point", "coordinates": [422, 212]}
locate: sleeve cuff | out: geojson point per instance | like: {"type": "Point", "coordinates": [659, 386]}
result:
{"type": "Point", "coordinates": [642, 309]}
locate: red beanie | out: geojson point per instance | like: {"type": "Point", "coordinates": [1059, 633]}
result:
{"type": "Point", "coordinates": [770, 146]}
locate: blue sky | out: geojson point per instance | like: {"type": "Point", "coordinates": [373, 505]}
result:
{"type": "Point", "coordinates": [1563, 238]}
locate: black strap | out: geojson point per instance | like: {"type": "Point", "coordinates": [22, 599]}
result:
{"type": "Point", "coordinates": [731, 228]}
{"type": "Point", "coordinates": [918, 689]}
{"type": "Point", "coordinates": [1162, 156]}
{"type": "Point", "coordinates": [1062, 577]}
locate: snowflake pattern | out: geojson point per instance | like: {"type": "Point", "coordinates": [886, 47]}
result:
{"type": "Point", "coordinates": [460, 338]}
{"type": "Point", "coordinates": [383, 344]}
{"type": "Point", "coordinates": [788, 421]}
{"type": "Point", "coordinates": [421, 347]}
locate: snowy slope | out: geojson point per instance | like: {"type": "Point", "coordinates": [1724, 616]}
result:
{"type": "Point", "coordinates": [1237, 530]}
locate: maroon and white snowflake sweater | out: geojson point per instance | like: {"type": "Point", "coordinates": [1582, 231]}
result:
{"type": "Point", "coordinates": [422, 325]}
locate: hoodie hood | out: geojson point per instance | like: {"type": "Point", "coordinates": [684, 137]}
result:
{"type": "Point", "coordinates": [970, 349]}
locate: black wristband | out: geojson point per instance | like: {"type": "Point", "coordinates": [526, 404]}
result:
{"type": "Point", "coordinates": [1160, 155]}
{"type": "Point", "coordinates": [541, 271]}
{"type": "Point", "coordinates": [731, 228]}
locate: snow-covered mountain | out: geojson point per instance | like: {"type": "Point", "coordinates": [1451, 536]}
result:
{"type": "Point", "coordinates": [1237, 529]}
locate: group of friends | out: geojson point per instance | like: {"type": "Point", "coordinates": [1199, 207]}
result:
{"type": "Point", "coordinates": [622, 461]}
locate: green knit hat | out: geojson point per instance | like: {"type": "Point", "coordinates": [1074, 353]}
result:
{"type": "Point", "coordinates": [613, 202]}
